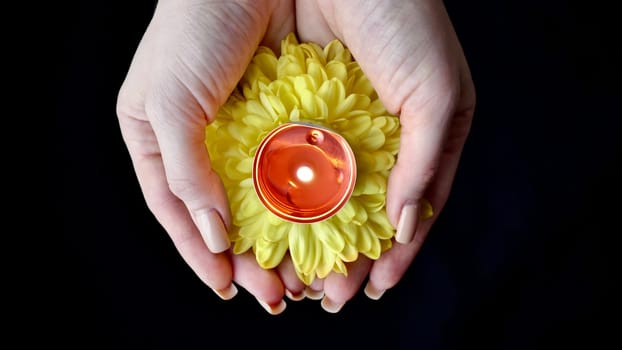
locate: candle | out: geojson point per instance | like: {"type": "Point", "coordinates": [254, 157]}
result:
{"type": "Point", "coordinates": [304, 173]}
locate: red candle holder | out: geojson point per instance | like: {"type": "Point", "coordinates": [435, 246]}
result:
{"type": "Point", "coordinates": [304, 173]}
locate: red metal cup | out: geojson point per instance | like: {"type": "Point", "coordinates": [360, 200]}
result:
{"type": "Point", "coordinates": [304, 173]}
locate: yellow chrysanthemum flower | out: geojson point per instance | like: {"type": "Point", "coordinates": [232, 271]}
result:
{"type": "Point", "coordinates": [325, 87]}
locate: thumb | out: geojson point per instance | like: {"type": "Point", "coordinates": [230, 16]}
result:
{"type": "Point", "coordinates": [195, 67]}
{"type": "Point", "coordinates": [181, 137]}
{"type": "Point", "coordinates": [423, 132]}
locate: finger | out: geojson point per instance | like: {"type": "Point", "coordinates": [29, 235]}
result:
{"type": "Point", "coordinates": [311, 23]}
{"type": "Point", "coordinates": [338, 288]}
{"type": "Point", "coordinates": [392, 265]}
{"type": "Point", "coordinates": [264, 285]}
{"type": "Point", "coordinates": [213, 270]}
{"type": "Point", "coordinates": [315, 291]}
{"type": "Point", "coordinates": [422, 135]}
{"type": "Point", "coordinates": [294, 287]}
{"type": "Point", "coordinates": [282, 22]}
{"type": "Point", "coordinates": [181, 136]}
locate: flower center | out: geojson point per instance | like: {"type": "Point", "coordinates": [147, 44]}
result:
{"type": "Point", "coordinates": [304, 173]}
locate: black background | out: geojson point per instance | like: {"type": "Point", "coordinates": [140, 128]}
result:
{"type": "Point", "coordinates": [520, 258]}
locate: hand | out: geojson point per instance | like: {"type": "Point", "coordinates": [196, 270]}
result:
{"type": "Point", "coordinates": [412, 56]}
{"type": "Point", "coordinates": [190, 59]}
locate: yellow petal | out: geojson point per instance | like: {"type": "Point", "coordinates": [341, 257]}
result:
{"type": "Point", "coordinates": [255, 107]}
{"type": "Point", "coordinates": [349, 253]}
{"type": "Point", "coordinates": [374, 251]}
{"type": "Point", "coordinates": [333, 94]}
{"type": "Point", "coordinates": [326, 264]}
{"type": "Point", "coordinates": [385, 244]}
{"type": "Point", "coordinates": [254, 73]}
{"type": "Point", "coordinates": [231, 169]}
{"type": "Point", "coordinates": [246, 134]}
{"type": "Point", "coordinates": [370, 183]}
{"type": "Point", "coordinates": [329, 235]}
{"type": "Point", "coordinates": [360, 102]}
{"type": "Point", "coordinates": [382, 232]}
{"type": "Point", "coordinates": [276, 233]}
{"type": "Point", "coordinates": [371, 162]}
{"type": "Point", "coordinates": [289, 41]}
{"type": "Point", "coordinates": [388, 124]}
{"type": "Point", "coordinates": [252, 230]}
{"type": "Point", "coordinates": [347, 213]}
{"type": "Point", "coordinates": [360, 214]}
{"type": "Point", "coordinates": [266, 61]}
{"type": "Point", "coordinates": [340, 267]}
{"type": "Point", "coordinates": [292, 50]}
{"type": "Point", "coordinates": [303, 83]}
{"type": "Point", "coordinates": [381, 219]}
{"type": "Point", "coordinates": [364, 240]}
{"type": "Point", "coordinates": [426, 210]}
{"type": "Point", "coordinates": [372, 202]}
{"type": "Point", "coordinates": [335, 51]}
{"type": "Point", "coordinates": [272, 105]}
{"type": "Point", "coordinates": [357, 126]}
{"type": "Point", "coordinates": [307, 279]}
{"type": "Point", "coordinates": [373, 140]}
{"type": "Point", "coordinates": [269, 254]}
{"type": "Point", "coordinates": [294, 115]}
{"type": "Point", "coordinates": [376, 108]}
{"type": "Point", "coordinates": [313, 51]}
{"type": "Point", "coordinates": [337, 70]}
{"type": "Point", "coordinates": [313, 107]}
{"type": "Point", "coordinates": [316, 72]}
{"type": "Point", "coordinates": [242, 245]}
{"type": "Point", "coordinates": [363, 86]}
{"type": "Point", "coordinates": [299, 244]}
{"type": "Point", "coordinates": [287, 68]}
{"type": "Point", "coordinates": [259, 122]}
{"type": "Point", "coordinates": [314, 255]}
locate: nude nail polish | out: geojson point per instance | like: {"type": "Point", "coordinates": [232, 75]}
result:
{"type": "Point", "coordinates": [407, 224]}
{"type": "Point", "coordinates": [313, 294]}
{"type": "Point", "coordinates": [273, 310]}
{"type": "Point", "coordinates": [213, 231]}
{"type": "Point", "coordinates": [372, 292]}
{"type": "Point", "coordinates": [330, 306]}
{"type": "Point", "coordinates": [294, 297]}
{"type": "Point", "coordinates": [227, 293]}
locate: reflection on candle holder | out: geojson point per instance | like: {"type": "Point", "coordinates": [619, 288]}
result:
{"type": "Point", "coordinates": [304, 173]}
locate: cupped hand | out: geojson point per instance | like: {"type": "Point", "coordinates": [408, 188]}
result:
{"type": "Point", "coordinates": [410, 52]}
{"type": "Point", "coordinates": [190, 59]}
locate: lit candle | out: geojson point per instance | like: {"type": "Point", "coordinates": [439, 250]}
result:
{"type": "Point", "coordinates": [304, 173]}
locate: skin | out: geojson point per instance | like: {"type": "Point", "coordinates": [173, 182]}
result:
{"type": "Point", "coordinates": [186, 66]}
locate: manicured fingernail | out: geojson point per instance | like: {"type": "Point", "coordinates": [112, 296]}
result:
{"type": "Point", "coordinates": [213, 231]}
{"type": "Point", "coordinates": [407, 224]}
{"type": "Point", "coordinates": [331, 306]}
{"type": "Point", "coordinates": [294, 297]}
{"type": "Point", "coordinates": [273, 310]}
{"type": "Point", "coordinates": [372, 292]}
{"type": "Point", "coordinates": [226, 293]}
{"type": "Point", "coordinates": [313, 294]}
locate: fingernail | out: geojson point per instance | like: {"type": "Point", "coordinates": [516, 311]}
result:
{"type": "Point", "coordinates": [227, 293]}
{"type": "Point", "coordinates": [407, 224]}
{"type": "Point", "coordinates": [273, 310]}
{"type": "Point", "coordinates": [313, 294]}
{"type": "Point", "coordinates": [331, 306]}
{"type": "Point", "coordinates": [295, 297]}
{"type": "Point", "coordinates": [372, 292]}
{"type": "Point", "coordinates": [213, 231]}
